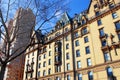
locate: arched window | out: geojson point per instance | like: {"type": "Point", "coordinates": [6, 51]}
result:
{"type": "Point", "coordinates": [109, 72]}
{"type": "Point", "coordinates": [90, 75]}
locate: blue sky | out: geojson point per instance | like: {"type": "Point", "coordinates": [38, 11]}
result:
{"type": "Point", "coordinates": [76, 6]}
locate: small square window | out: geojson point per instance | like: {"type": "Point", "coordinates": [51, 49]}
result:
{"type": "Point", "coordinates": [97, 13]}
{"type": "Point", "coordinates": [114, 15]}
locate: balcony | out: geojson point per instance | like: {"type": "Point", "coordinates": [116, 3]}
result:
{"type": "Point", "coordinates": [105, 48]}
{"type": "Point", "coordinates": [57, 62]}
{"type": "Point", "coordinates": [102, 36]}
{"type": "Point", "coordinates": [29, 70]}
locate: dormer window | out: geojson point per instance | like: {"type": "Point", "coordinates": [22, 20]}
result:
{"type": "Point", "coordinates": [97, 13]}
{"type": "Point", "coordinates": [111, 5]}
{"type": "Point", "coordinates": [95, 6]}
{"type": "Point", "coordinates": [101, 1]}
{"type": "Point", "coordinates": [75, 26]}
{"type": "Point", "coordinates": [83, 21]}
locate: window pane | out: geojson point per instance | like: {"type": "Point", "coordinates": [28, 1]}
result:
{"type": "Point", "coordinates": [117, 24]}
{"type": "Point", "coordinates": [77, 53]}
{"type": "Point", "coordinates": [79, 76]}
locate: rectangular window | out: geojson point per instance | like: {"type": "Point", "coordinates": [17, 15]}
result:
{"type": "Point", "coordinates": [77, 43]}
{"type": "Point", "coordinates": [67, 46]}
{"type": "Point", "coordinates": [39, 57]}
{"type": "Point", "coordinates": [104, 43]}
{"type": "Point", "coordinates": [99, 22]}
{"type": "Point", "coordinates": [49, 62]}
{"type": "Point", "coordinates": [49, 71]}
{"type": "Point", "coordinates": [89, 63]}
{"type": "Point", "coordinates": [77, 53]}
{"type": "Point", "coordinates": [84, 31]}
{"type": "Point", "coordinates": [68, 77]}
{"type": "Point", "coordinates": [117, 25]}
{"type": "Point", "coordinates": [57, 69]}
{"type": "Point", "coordinates": [49, 53]}
{"type": "Point", "coordinates": [101, 31]}
{"type": "Point", "coordinates": [68, 66]}
{"type": "Point", "coordinates": [107, 56]}
{"type": "Point", "coordinates": [44, 56]}
{"type": "Point", "coordinates": [86, 39]}
{"type": "Point", "coordinates": [87, 49]}
{"type": "Point", "coordinates": [39, 65]}
{"type": "Point", "coordinates": [119, 36]}
{"type": "Point", "coordinates": [44, 73]}
{"type": "Point", "coordinates": [114, 15]}
{"type": "Point", "coordinates": [78, 64]}
{"type": "Point", "coordinates": [79, 76]}
{"type": "Point", "coordinates": [67, 56]}
{"type": "Point", "coordinates": [76, 35]}
{"type": "Point", "coordinates": [38, 73]}
{"type": "Point", "coordinates": [44, 64]}
{"type": "Point", "coordinates": [66, 38]}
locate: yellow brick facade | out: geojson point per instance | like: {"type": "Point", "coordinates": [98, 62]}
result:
{"type": "Point", "coordinates": [86, 47]}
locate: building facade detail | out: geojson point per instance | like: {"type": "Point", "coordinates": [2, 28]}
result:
{"type": "Point", "coordinates": [85, 47]}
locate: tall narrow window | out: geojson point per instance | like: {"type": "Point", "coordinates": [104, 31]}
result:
{"type": "Point", "coordinates": [67, 46]}
{"type": "Point", "coordinates": [49, 53]}
{"type": "Point", "coordinates": [101, 31]}
{"type": "Point", "coordinates": [119, 36]}
{"type": "Point", "coordinates": [39, 65]}
{"type": "Point", "coordinates": [44, 73]}
{"type": "Point", "coordinates": [67, 56]}
{"type": "Point", "coordinates": [78, 64]}
{"type": "Point", "coordinates": [89, 63]}
{"type": "Point", "coordinates": [68, 66]}
{"type": "Point", "coordinates": [114, 15]}
{"type": "Point", "coordinates": [68, 77]}
{"type": "Point", "coordinates": [49, 71]}
{"type": "Point", "coordinates": [87, 49]}
{"type": "Point", "coordinates": [107, 56]}
{"type": "Point", "coordinates": [90, 75]}
{"type": "Point", "coordinates": [77, 53]}
{"type": "Point", "coordinates": [84, 31]}
{"type": "Point", "coordinates": [76, 35]}
{"type": "Point", "coordinates": [44, 64]}
{"type": "Point", "coordinates": [117, 25]}
{"type": "Point", "coordinates": [99, 22]}
{"type": "Point", "coordinates": [49, 62]}
{"type": "Point", "coordinates": [86, 39]}
{"type": "Point", "coordinates": [77, 43]}
{"type": "Point", "coordinates": [79, 76]}
{"type": "Point", "coordinates": [104, 43]}
{"type": "Point", "coordinates": [57, 78]}
{"type": "Point", "coordinates": [110, 74]}
{"type": "Point", "coordinates": [38, 73]}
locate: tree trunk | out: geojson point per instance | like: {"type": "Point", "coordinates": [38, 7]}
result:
{"type": "Point", "coordinates": [2, 72]}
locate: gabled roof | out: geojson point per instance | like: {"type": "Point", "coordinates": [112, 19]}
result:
{"type": "Point", "coordinates": [89, 6]}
